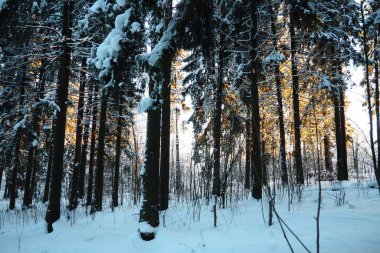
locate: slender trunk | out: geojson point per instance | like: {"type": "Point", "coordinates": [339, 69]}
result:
{"type": "Point", "coordinates": [296, 110]}
{"type": "Point", "coordinates": [372, 144]}
{"type": "Point", "coordinates": [257, 165]}
{"type": "Point", "coordinates": [338, 133]}
{"type": "Point", "coordinates": [49, 143]}
{"type": "Point", "coordinates": [90, 182]}
{"type": "Point", "coordinates": [376, 67]}
{"type": "Point", "coordinates": [247, 183]}
{"type": "Point", "coordinates": [86, 131]}
{"type": "Point", "coordinates": [280, 110]}
{"type": "Point", "coordinates": [73, 202]}
{"type": "Point", "coordinates": [177, 161]}
{"type": "Point", "coordinates": [15, 170]}
{"type": "Point", "coordinates": [115, 190]}
{"type": "Point", "coordinates": [99, 175]}
{"type": "Point", "coordinates": [327, 153]}
{"type": "Point", "coordinates": [343, 173]}
{"type": "Point", "coordinates": [53, 211]}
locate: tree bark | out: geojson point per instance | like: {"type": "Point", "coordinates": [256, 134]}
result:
{"type": "Point", "coordinates": [257, 165]}
{"type": "Point", "coordinates": [99, 175]}
{"type": "Point", "coordinates": [247, 183]}
{"type": "Point", "coordinates": [372, 144]}
{"type": "Point", "coordinates": [150, 171]}
{"type": "Point", "coordinates": [116, 178]}
{"type": "Point", "coordinates": [296, 110]}
{"type": "Point", "coordinates": [280, 110]}
{"type": "Point", "coordinates": [53, 211]}
{"type": "Point", "coordinates": [73, 202]}
{"type": "Point", "coordinates": [92, 147]}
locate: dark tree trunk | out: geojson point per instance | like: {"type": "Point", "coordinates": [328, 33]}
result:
{"type": "Point", "coordinates": [296, 110]}
{"type": "Point", "coordinates": [376, 67]}
{"type": "Point", "coordinates": [32, 162]}
{"type": "Point", "coordinates": [327, 154]}
{"type": "Point", "coordinates": [92, 147]}
{"type": "Point", "coordinates": [15, 170]}
{"type": "Point", "coordinates": [86, 131]}
{"type": "Point", "coordinates": [116, 178]}
{"type": "Point", "coordinates": [257, 165]}
{"type": "Point", "coordinates": [53, 211]}
{"type": "Point", "coordinates": [150, 174]}
{"type": "Point", "coordinates": [338, 134]}
{"type": "Point", "coordinates": [99, 175]}
{"type": "Point", "coordinates": [372, 144]}
{"type": "Point", "coordinates": [49, 143]}
{"type": "Point", "coordinates": [343, 173]}
{"type": "Point", "coordinates": [247, 183]}
{"type": "Point", "coordinates": [73, 202]}
{"type": "Point", "coordinates": [178, 184]}
{"type": "Point", "coordinates": [280, 110]}
{"type": "Point", "coordinates": [217, 124]}
{"type": "Point", "coordinates": [165, 120]}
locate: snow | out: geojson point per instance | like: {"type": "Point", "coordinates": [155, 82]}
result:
{"type": "Point", "coordinates": [3, 4]}
{"type": "Point", "coordinates": [34, 143]}
{"type": "Point", "coordinates": [144, 227]}
{"type": "Point", "coordinates": [164, 44]}
{"type": "Point", "coordinates": [377, 18]}
{"type": "Point", "coordinates": [144, 104]}
{"type": "Point", "coordinates": [274, 58]}
{"type": "Point", "coordinates": [20, 125]}
{"type": "Point", "coordinates": [108, 50]}
{"type": "Point", "coordinates": [326, 83]}
{"type": "Point", "coordinates": [100, 5]}
{"type": "Point", "coordinates": [188, 227]}
{"type": "Point", "coordinates": [121, 2]}
{"type": "Point", "coordinates": [135, 27]}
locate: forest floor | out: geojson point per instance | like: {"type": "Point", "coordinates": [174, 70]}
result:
{"type": "Point", "coordinates": [352, 226]}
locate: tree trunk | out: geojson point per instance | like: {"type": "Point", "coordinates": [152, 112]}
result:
{"type": "Point", "coordinates": [327, 153]}
{"type": "Point", "coordinates": [376, 67]}
{"type": "Point", "coordinates": [90, 182]}
{"type": "Point", "coordinates": [150, 171]}
{"type": "Point", "coordinates": [372, 144]}
{"type": "Point", "coordinates": [116, 178]}
{"type": "Point", "coordinates": [165, 119]}
{"type": "Point", "coordinates": [73, 202]}
{"type": "Point", "coordinates": [296, 110]}
{"type": "Point", "coordinates": [53, 211]}
{"type": "Point", "coordinates": [343, 173]}
{"type": "Point", "coordinates": [247, 183]}
{"type": "Point", "coordinates": [280, 110]}
{"type": "Point", "coordinates": [257, 165]}
{"type": "Point", "coordinates": [86, 131]}
{"type": "Point", "coordinates": [49, 143]}
{"type": "Point", "coordinates": [16, 168]}
{"type": "Point", "coordinates": [99, 175]}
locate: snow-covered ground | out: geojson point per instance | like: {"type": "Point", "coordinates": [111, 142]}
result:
{"type": "Point", "coordinates": [351, 227]}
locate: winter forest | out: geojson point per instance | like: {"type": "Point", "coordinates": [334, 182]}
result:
{"type": "Point", "coordinates": [189, 126]}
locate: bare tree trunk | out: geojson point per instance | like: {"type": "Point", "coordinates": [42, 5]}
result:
{"type": "Point", "coordinates": [247, 184]}
{"type": "Point", "coordinates": [92, 147]}
{"type": "Point", "coordinates": [372, 144]}
{"type": "Point", "coordinates": [97, 201]}
{"type": "Point", "coordinates": [376, 67]}
{"type": "Point", "coordinates": [165, 119]}
{"type": "Point", "coordinates": [257, 165]}
{"type": "Point", "coordinates": [53, 211]}
{"type": "Point", "coordinates": [296, 110]}
{"type": "Point", "coordinates": [284, 173]}
{"type": "Point", "coordinates": [115, 190]}
{"type": "Point", "coordinates": [73, 202]}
